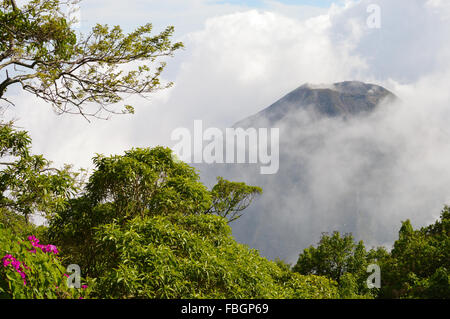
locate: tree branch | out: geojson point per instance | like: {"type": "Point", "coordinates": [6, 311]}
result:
{"type": "Point", "coordinates": [13, 4]}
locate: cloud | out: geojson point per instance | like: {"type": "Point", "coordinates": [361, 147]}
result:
{"type": "Point", "coordinates": [236, 55]}
{"type": "Point", "coordinates": [407, 46]}
{"type": "Point", "coordinates": [387, 168]}
{"type": "Point", "coordinates": [223, 67]}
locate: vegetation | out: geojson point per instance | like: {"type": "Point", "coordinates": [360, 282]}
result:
{"type": "Point", "coordinates": [417, 266]}
{"type": "Point", "coordinates": [419, 263]}
{"type": "Point", "coordinates": [145, 226]}
{"type": "Point", "coordinates": [31, 270]}
{"type": "Point", "coordinates": [142, 225]}
{"type": "Point", "coordinates": [343, 260]}
{"type": "Point", "coordinates": [193, 256]}
{"type": "Point", "coordinates": [44, 55]}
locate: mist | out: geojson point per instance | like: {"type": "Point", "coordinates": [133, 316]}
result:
{"type": "Point", "coordinates": [362, 175]}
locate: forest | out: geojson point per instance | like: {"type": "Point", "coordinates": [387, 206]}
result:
{"type": "Point", "coordinates": [142, 224]}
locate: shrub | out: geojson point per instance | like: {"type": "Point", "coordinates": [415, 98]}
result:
{"type": "Point", "coordinates": [30, 270]}
{"type": "Point", "coordinates": [193, 256]}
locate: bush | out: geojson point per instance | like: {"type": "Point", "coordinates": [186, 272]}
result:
{"type": "Point", "coordinates": [30, 270]}
{"type": "Point", "coordinates": [193, 256]}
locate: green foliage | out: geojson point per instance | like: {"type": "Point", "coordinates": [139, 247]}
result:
{"type": "Point", "coordinates": [147, 181]}
{"type": "Point", "coordinates": [144, 229]}
{"type": "Point", "coordinates": [340, 259]}
{"type": "Point", "coordinates": [70, 70]}
{"type": "Point", "coordinates": [43, 272]}
{"type": "Point", "coordinates": [349, 287]}
{"type": "Point", "coordinates": [282, 264]}
{"type": "Point", "coordinates": [418, 266]}
{"type": "Point", "coordinates": [193, 256]}
{"type": "Point", "coordinates": [73, 229]}
{"type": "Point", "coordinates": [231, 198]}
{"type": "Point", "coordinates": [28, 183]}
{"type": "Point", "coordinates": [14, 222]}
{"type": "Point", "coordinates": [333, 257]}
{"type": "Point", "coordinates": [142, 182]}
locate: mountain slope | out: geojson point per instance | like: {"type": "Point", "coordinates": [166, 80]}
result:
{"type": "Point", "coordinates": [339, 99]}
{"type": "Point", "coordinates": [335, 173]}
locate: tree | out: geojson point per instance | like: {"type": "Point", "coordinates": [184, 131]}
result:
{"type": "Point", "coordinates": [141, 183]}
{"type": "Point", "coordinates": [419, 263]}
{"type": "Point", "coordinates": [229, 199]}
{"type": "Point", "coordinates": [417, 266]}
{"type": "Point", "coordinates": [333, 257]}
{"type": "Point", "coordinates": [193, 256]}
{"type": "Point", "coordinates": [28, 183]}
{"type": "Point", "coordinates": [147, 181]}
{"type": "Point", "coordinates": [340, 259]}
{"type": "Point", "coordinates": [41, 52]}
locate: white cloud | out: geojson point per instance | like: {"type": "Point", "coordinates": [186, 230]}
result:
{"type": "Point", "coordinates": [411, 42]}
{"type": "Point", "coordinates": [236, 55]}
{"type": "Point", "coordinates": [218, 77]}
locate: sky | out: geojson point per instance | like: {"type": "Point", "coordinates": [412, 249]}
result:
{"type": "Point", "coordinates": [69, 139]}
{"type": "Point", "coordinates": [242, 56]}
{"type": "Point", "coordinates": [262, 3]}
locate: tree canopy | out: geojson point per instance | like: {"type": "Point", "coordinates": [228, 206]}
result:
{"type": "Point", "coordinates": [28, 183]}
{"type": "Point", "coordinates": [419, 263]}
{"type": "Point", "coordinates": [42, 53]}
{"type": "Point", "coordinates": [229, 199]}
{"type": "Point", "coordinates": [416, 267]}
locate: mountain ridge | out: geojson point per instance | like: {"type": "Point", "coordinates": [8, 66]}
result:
{"type": "Point", "coordinates": [334, 174]}
{"type": "Point", "coordinates": [346, 99]}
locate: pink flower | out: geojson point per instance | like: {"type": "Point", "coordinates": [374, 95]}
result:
{"type": "Point", "coordinates": [45, 248]}
{"type": "Point", "coordinates": [51, 248]}
{"type": "Point", "coordinates": [17, 265]}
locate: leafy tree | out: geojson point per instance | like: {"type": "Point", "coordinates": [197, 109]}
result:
{"type": "Point", "coordinates": [28, 183]}
{"type": "Point", "coordinates": [73, 230]}
{"type": "Point", "coordinates": [282, 264]}
{"type": "Point", "coordinates": [140, 183]}
{"type": "Point", "coordinates": [193, 256]}
{"type": "Point", "coordinates": [340, 259]}
{"type": "Point", "coordinates": [333, 257]}
{"type": "Point", "coordinates": [229, 199]}
{"type": "Point", "coordinates": [18, 225]}
{"type": "Point", "coordinates": [147, 181]}
{"type": "Point", "coordinates": [41, 52]}
{"type": "Point", "coordinates": [144, 229]}
{"type": "Point", "coordinates": [419, 263]}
